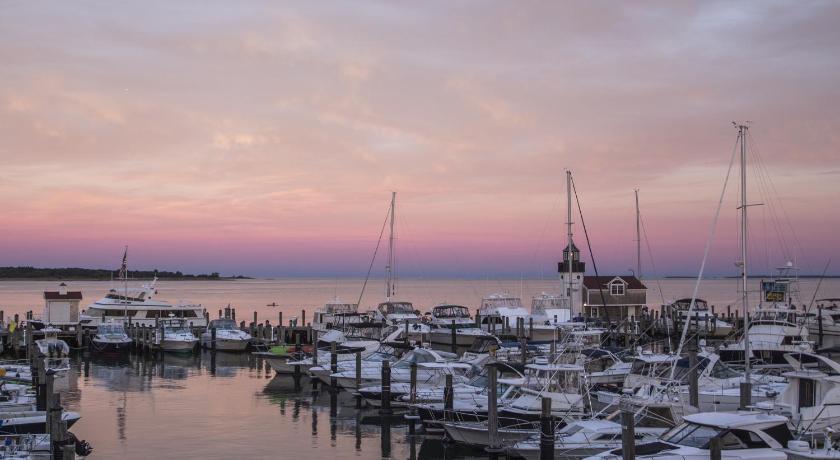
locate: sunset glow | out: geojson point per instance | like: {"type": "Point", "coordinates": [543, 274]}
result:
{"type": "Point", "coordinates": [265, 138]}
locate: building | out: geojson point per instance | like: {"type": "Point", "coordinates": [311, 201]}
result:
{"type": "Point", "coordinates": [570, 287]}
{"type": "Point", "coordinates": [623, 296]}
{"type": "Point", "coordinates": [61, 308]}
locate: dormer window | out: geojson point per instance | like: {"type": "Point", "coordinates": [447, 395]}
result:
{"type": "Point", "coordinates": [616, 287]}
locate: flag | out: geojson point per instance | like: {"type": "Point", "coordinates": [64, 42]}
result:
{"type": "Point", "coordinates": [124, 266]}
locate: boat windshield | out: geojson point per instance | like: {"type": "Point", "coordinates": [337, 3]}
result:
{"type": "Point", "coordinates": [722, 371]}
{"type": "Point", "coordinates": [398, 308]}
{"type": "Point", "coordinates": [691, 435]}
{"type": "Point", "coordinates": [338, 308]}
{"type": "Point", "coordinates": [501, 302]}
{"type": "Point", "coordinates": [683, 368]}
{"type": "Point", "coordinates": [177, 330]}
{"type": "Point", "coordinates": [450, 311]}
{"type": "Point", "coordinates": [415, 356]}
{"type": "Point", "coordinates": [111, 329]}
{"type": "Point", "coordinates": [223, 324]}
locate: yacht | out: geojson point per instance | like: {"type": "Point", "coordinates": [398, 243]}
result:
{"type": "Point", "coordinates": [401, 370]}
{"type": "Point", "coordinates": [706, 322]}
{"type": "Point", "coordinates": [141, 307]}
{"type": "Point", "coordinates": [773, 332]}
{"type": "Point", "coordinates": [497, 310]}
{"type": "Point", "coordinates": [284, 360]}
{"type": "Point", "coordinates": [174, 335]}
{"type": "Point", "coordinates": [228, 336]}
{"type": "Point", "coordinates": [110, 338]}
{"type": "Point", "coordinates": [336, 314]}
{"type": "Point", "coordinates": [812, 398]}
{"type": "Point", "coordinates": [743, 435]}
{"type": "Point", "coordinates": [445, 318]}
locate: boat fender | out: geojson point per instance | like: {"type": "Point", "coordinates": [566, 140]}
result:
{"type": "Point", "coordinates": [798, 446]}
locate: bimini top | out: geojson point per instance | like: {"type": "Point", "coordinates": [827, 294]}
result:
{"type": "Point", "coordinates": [555, 367]}
{"type": "Point", "coordinates": [756, 420]}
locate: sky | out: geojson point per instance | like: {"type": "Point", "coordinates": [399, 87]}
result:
{"type": "Point", "coordinates": [264, 138]}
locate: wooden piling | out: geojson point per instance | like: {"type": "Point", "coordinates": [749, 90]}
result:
{"type": "Point", "coordinates": [628, 433]}
{"type": "Point", "coordinates": [454, 338]}
{"type": "Point", "coordinates": [494, 446]}
{"type": "Point", "coordinates": [448, 396]}
{"type": "Point", "coordinates": [715, 448]}
{"type": "Point", "coordinates": [546, 431]}
{"type": "Point", "coordinates": [333, 363]}
{"type": "Point", "coordinates": [693, 394]}
{"type": "Point", "coordinates": [385, 401]}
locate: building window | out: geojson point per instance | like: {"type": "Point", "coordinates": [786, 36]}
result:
{"type": "Point", "coordinates": [617, 288]}
{"type": "Point", "coordinates": [594, 312]}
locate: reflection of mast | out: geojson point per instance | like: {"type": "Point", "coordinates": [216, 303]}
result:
{"type": "Point", "coordinates": [121, 413]}
{"type": "Point", "coordinates": [392, 258]}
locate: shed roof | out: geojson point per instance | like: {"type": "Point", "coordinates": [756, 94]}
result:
{"type": "Point", "coordinates": [55, 295]}
{"type": "Point", "coordinates": [594, 282]}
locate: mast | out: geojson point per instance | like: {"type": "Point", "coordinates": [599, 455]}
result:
{"type": "Point", "coordinates": [569, 236]}
{"type": "Point", "coordinates": [742, 134]}
{"type": "Point", "coordinates": [125, 284]}
{"type": "Point", "coordinates": [389, 281]}
{"type": "Point", "coordinates": [638, 239]}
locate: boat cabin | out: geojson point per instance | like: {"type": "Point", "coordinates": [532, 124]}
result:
{"type": "Point", "coordinates": [450, 312]}
{"type": "Point", "coordinates": [396, 308]}
{"type": "Point", "coordinates": [222, 323]}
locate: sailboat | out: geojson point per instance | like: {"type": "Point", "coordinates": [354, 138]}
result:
{"type": "Point", "coordinates": [392, 312]}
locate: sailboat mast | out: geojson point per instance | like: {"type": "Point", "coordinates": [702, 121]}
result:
{"type": "Point", "coordinates": [569, 246]}
{"type": "Point", "coordinates": [389, 283]}
{"type": "Point", "coordinates": [742, 133]}
{"type": "Point", "coordinates": [638, 239]}
{"type": "Point", "coordinates": [125, 285]}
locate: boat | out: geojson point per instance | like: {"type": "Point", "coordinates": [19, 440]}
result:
{"type": "Point", "coordinates": [228, 336]}
{"type": "Point", "coordinates": [824, 324]}
{"type": "Point", "coordinates": [110, 339]}
{"type": "Point", "coordinates": [583, 438]}
{"type": "Point", "coordinates": [392, 313]}
{"type": "Point", "coordinates": [812, 397]}
{"type": "Point", "coordinates": [400, 370]}
{"type": "Point", "coordinates": [26, 447]}
{"type": "Point", "coordinates": [500, 311]}
{"type": "Point", "coordinates": [174, 336]}
{"type": "Point", "coordinates": [32, 422]}
{"type": "Point", "coordinates": [336, 314]}
{"type": "Point", "coordinates": [773, 332]}
{"type": "Point", "coordinates": [743, 435]}
{"type": "Point", "coordinates": [140, 307]}
{"type": "Point", "coordinates": [51, 345]}
{"type": "Point", "coordinates": [285, 360]}
{"type": "Point", "coordinates": [445, 318]}
{"type": "Point", "coordinates": [700, 320]}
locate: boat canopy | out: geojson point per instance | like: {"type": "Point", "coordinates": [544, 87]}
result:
{"type": "Point", "coordinates": [450, 311]}
{"type": "Point", "coordinates": [396, 308]}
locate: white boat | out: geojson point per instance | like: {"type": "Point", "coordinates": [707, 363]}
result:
{"type": "Point", "coordinates": [812, 398]}
{"type": "Point", "coordinates": [347, 363]}
{"type": "Point", "coordinates": [498, 310]}
{"type": "Point", "coordinates": [174, 335]}
{"type": "Point", "coordinates": [110, 338]}
{"type": "Point", "coordinates": [401, 370]}
{"type": "Point", "coordinates": [823, 323]}
{"type": "Point", "coordinates": [140, 307]}
{"type": "Point", "coordinates": [228, 336]}
{"type": "Point", "coordinates": [583, 438]}
{"type": "Point", "coordinates": [345, 353]}
{"type": "Point", "coordinates": [445, 318]}
{"type": "Point", "coordinates": [26, 447]}
{"type": "Point", "coordinates": [700, 320]}
{"type": "Point", "coordinates": [51, 345]}
{"type": "Point", "coordinates": [336, 314]}
{"type": "Point", "coordinates": [773, 332]}
{"type": "Point", "coordinates": [744, 435]}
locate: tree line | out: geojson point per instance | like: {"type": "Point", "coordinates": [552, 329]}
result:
{"type": "Point", "coordinates": [100, 274]}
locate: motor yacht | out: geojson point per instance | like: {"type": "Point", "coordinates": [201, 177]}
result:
{"type": "Point", "coordinates": [583, 438]}
{"type": "Point", "coordinates": [445, 318]}
{"type": "Point", "coordinates": [110, 339]}
{"type": "Point", "coordinates": [141, 307]}
{"type": "Point", "coordinates": [228, 336]}
{"type": "Point", "coordinates": [174, 335]}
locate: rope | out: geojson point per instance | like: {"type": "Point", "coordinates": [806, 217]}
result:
{"type": "Point", "coordinates": [373, 259]}
{"type": "Point", "coordinates": [712, 229]}
{"type": "Point", "coordinates": [591, 254]}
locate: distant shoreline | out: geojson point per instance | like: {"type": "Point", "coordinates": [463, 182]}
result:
{"type": "Point", "coordinates": [92, 274]}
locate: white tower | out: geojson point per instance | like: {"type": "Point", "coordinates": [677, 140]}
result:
{"type": "Point", "coordinates": [571, 277]}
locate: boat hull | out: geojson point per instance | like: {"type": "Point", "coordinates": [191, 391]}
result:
{"type": "Point", "coordinates": [226, 344]}
{"type": "Point", "coordinates": [110, 347]}
{"type": "Point", "coordinates": [177, 346]}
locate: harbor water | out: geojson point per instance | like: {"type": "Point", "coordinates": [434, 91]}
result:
{"type": "Point", "coordinates": [226, 405]}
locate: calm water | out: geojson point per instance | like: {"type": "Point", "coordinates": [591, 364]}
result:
{"type": "Point", "coordinates": [230, 407]}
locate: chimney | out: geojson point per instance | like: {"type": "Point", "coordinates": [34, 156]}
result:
{"type": "Point", "coordinates": [62, 289]}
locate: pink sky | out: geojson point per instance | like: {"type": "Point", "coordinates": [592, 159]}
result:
{"type": "Point", "coordinates": [264, 138]}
